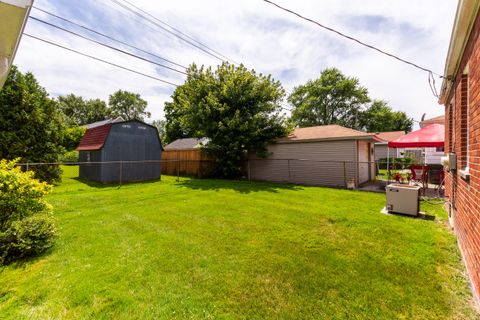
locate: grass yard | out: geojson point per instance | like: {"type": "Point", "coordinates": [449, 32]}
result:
{"type": "Point", "coordinates": [202, 249]}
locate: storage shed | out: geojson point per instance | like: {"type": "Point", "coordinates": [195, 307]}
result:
{"type": "Point", "coordinates": [329, 155]}
{"type": "Point", "coordinates": [120, 151]}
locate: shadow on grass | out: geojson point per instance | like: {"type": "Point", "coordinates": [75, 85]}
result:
{"type": "Point", "coordinates": [426, 217]}
{"type": "Point", "coordinates": [99, 185]}
{"type": "Point", "coordinates": [241, 186]}
{"type": "Point", "coordinates": [420, 216]}
{"type": "Point", "coordinates": [24, 262]}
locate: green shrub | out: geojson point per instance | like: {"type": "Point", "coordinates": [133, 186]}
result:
{"type": "Point", "coordinates": [69, 156]}
{"type": "Point", "coordinates": [26, 221]}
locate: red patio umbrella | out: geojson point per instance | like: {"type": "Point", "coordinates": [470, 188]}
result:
{"type": "Point", "coordinates": [427, 137]}
{"type": "Point", "coordinates": [430, 136]}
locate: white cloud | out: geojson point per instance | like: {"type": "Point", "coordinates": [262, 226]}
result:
{"type": "Point", "coordinates": [255, 33]}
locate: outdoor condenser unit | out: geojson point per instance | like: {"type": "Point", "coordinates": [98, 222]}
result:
{"type": "Point", "coordinates": [404, 199]}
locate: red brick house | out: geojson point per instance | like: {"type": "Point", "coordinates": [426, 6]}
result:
{"type": "Point", "coordinates": [460, 95]}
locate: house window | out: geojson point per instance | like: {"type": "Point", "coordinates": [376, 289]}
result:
{"type": "Point", "coordinates": [87, 156]}
{"type": "Point", "coordinates": [440, 149]}
{"type": "Point", "coordinates": [464, 115]}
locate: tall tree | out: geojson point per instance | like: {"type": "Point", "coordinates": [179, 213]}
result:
{"type": "Point", "coordinates": [237, 109]}
{"type": "Point", "coordinates": [80, 112]}
{"type": "Point", "coordinates": [333, 98]}
{"type": "Point", "coordinates": [31, 127]}
{"type": "Point", "coordinates": [379, 117]}
{"type": "Point", "coordinates": [160, 125]}
{"type": "Point", "coordinates": [128, 105]}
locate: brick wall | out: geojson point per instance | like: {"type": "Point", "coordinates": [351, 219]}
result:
{"type": "Point", "coordinates": [462, 123]}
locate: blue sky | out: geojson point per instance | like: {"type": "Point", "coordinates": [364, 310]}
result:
{"type": "Point", "coordinates": [254, 33]}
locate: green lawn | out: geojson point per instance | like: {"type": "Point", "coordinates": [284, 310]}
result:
{"type": "Point", "coordinates": [202, 249]}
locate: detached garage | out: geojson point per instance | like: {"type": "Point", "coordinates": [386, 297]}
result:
{"type": "Point", "coordinates": [329, 155]}
{"type": "Point", "coordinates": [120, 151]}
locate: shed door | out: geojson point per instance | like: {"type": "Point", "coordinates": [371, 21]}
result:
{"type": "Point", "coordinates": [363, 159]}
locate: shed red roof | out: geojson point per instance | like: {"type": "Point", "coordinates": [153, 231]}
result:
{"type": "Point", "coordinates": [94, 138]}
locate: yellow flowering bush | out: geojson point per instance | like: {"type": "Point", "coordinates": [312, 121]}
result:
{"type": "Point", "coordinates": [26, 221]}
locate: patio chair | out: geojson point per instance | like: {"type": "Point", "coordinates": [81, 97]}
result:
{"type": "Point", "coordinates": [419, 176]}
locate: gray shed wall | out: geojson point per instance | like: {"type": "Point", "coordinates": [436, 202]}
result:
{"type": "Point", "coordinates": [91, 171]}
{"type": "Point", "coordinates": [126, 141]}
{"type": "Point", "coordinates": [131, 141]}
{"type": "Point", "coordinates": [313, 163]}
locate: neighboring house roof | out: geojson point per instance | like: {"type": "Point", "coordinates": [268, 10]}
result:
{"type": "Point", "coordinates": [186, 144]}
{"type": "Point", "coordinates": [94, 138]}
{"type": "Point", "coordinates": [13, 17]}
{"type": "Point", "coordinates": [389, 136]}
{"type": "Point", "coordinates": [438, 120]}
{"type": "Point", "coordinates": [328, 132]}
{"type": "Point", "coordinates": [103, 122]}
{"type": "Point", "coordinates": [465, 16]}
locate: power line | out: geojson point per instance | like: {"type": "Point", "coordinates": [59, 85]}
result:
{"type": "Point", "coordinates": [101, 60]}
{"type": "Point", "coordinates": [166, 30]}
{"type": "Point", "coordinates": [108, 46]}
{"type": "Point", "coordinates": [353, 39]}
{"type": "Point", "coordinates": [179, 31]}
{"type": "Point", "coordinates": [109, 37]}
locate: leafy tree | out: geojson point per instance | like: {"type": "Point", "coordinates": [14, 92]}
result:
{"type": "Point", "coordinates": [379, 117]}
{"type": "Point", "coordinates": [128, 105]}
{"type": "Point", "coordinates": [80, 112]}
{"type": "Point", "coordinates": [30, 125]}
{"type": "Point", "coordinates": [160, 125]}
{"type": "Point", "coordinates": [72, 137]}
{"type": "Point", "coordinates": [238, 110]}
{"type": "Point", "coordinates": [333, 98]}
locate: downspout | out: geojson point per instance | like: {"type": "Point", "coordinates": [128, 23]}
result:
{"type": "Point", "coordinates": [454, 143]}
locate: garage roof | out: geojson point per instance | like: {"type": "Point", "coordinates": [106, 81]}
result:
{"type": "Point", "coordinates": [328, 132]}
{"type": "Point", "coordinates": [186, 144]}
{"type": "Point", "coordinates": [391, 135]}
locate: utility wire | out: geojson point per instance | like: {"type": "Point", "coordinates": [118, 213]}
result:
{"type": "Point", "coordinates": [165, 29]}
{"type": "Point", "coordinates": [108, 46]}
{"type": "Point", "coordinates": [182, 33]}
{"type": "Point", "coordinates": [109, 37]}
{"type": "Point", "coordinates": [101, 60]}
{"type": "Point", "coordinates": [352, 38]}
{"type": "Point", "coordinates": [179, 31]}
{"type": "Point", "coordinates": [431, 83]}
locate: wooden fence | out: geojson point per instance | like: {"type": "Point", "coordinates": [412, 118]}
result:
{"type": "Point", "coordinates": [187, 163]}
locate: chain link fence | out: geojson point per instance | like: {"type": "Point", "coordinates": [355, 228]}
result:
{"type": "Point", "coordinates": [342, 174]}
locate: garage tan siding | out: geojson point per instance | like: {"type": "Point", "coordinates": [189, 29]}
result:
{"type": "Point", "coordinates": [381, 152]}
{"type": "Point", "coordinates": [327, 163]}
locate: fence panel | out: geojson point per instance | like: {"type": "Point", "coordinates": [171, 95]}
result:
{"type": "Point", "coordinates": [187, 163]}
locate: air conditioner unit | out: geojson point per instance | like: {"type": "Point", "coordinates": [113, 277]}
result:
{"type": "Point", "coordinates": [404, 199]}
